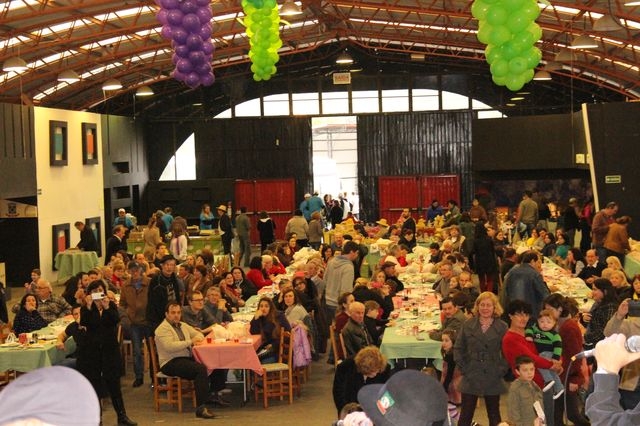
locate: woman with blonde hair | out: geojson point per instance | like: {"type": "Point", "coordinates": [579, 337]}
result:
{"type": "Point", "coordinates": [478, 354]}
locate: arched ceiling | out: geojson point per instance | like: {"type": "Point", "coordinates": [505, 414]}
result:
{"type": "Point", "coordinates": [104, 39]}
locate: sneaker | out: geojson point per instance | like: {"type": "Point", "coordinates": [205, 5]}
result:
{"type": "Point", "coordinates": [225, 391]}
{"type": "Point", "coordinates": [548, 386]}
{"type": "Point", "coordinates": [137, 383]}
{"type": "Point", "coordinates": [558, 394]}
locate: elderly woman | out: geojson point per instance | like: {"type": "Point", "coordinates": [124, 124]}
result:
{"type": "Point", "coordinates": [367, 367]}
{"type": "Point", "coordinates": [478, 355]}
{"type": "Point", "coordinates": [268, 322]}
{"type": "Point", "coordinates": [99, 360]}
{"type": "Point", "coordinates": [240, 281]}
{"type": "Point", "coordinates": [28, 318]}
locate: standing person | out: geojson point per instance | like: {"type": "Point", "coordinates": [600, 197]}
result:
{"type": "Point", "coordinates": [571, 220]}
{"type": "Point", "coordinates": [266, 229]}
{"type": "Point", "coordinates": [527, 212]}
{"type": "Point", "coordinates": [315, 230]}
{"type": "Point", "coordinates": [115, 243]}
{"type": "Point", "coordinates": [304, 207]}
{"type": "Point", "coordinates": [339, 276]}
{"type": "Point", "coordinates": [600, 228]}
{"type": "Point", "coordinates": [478, 355]}
{"type": "Point", "coordinates": [99, 360]}
{"type": "Point", "coordinates": [163, 288]}
{"type": "Point", "coordinates": [315, 204]}
{"type": "Point", "coordinates": [243, 228]}
{"type": "Point", "coordinates": [179, 244]}
{"type": "Point", "coordinates": [206, 217]}
{"type": "Point", "coordinates": [564, 310]}
{"type": "Point", "coordinates": [616, 243]}
{"type": "Point", "coordinates": [434, 210]}
{"type": "Point", "coordinates": [484, 259]}
{"type": "Point", "coordinates": [87, 239]}
{"type": "Point", "coordinates": [586, 218]}
{"type": "Point", "coordinates": [133, 307]}
{"type": "Point", "coordinates": [167, 218]}
{"type": "Point", "coordinates": [335, 214]}
{"type": "Point", "coordinates": [524, 282]}
{"type": "Point", "coordinates": [174, 340]}
{"type": "Point", "coordinates": [225, 229]}
{"type": "Point", "coordinates": [298, 225]}
{"type": "Point", "coordinates": [523, 393]}
{"type": "Point", "coordinates": [151, 237]}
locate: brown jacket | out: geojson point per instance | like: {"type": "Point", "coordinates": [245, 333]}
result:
{"type": "Point", "coordinates": [133, 302]}
{"type": "Point", "coordinates": [617, 239]}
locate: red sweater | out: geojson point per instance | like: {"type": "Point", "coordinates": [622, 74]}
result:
{"type": "Point", "coordinates": [572, 343]}
{"type": "Point", "coordinates": [514, 345]}
{"type": "Point", "coordinates": [256, 277]}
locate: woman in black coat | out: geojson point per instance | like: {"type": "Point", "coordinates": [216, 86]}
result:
{"type": "Point", "coordinates": [484, 259]}
{"type": "Point", "coordinates": [99, 355]}
{"type": "Point", "coordinates": [335, 214]}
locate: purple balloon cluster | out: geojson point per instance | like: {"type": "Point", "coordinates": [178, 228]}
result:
{"type": "Point", "coordinates": [187, 23]}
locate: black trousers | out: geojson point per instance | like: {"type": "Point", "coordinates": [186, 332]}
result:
{"type": "Point", "coordinates": [468, 407]}
{"type": "Point", "coordinates": [189, 369]}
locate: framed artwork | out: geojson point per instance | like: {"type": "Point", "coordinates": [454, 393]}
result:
{"type": "Point", "coordinates": [94, 224]}
{"type": "Point", "coordinates": [58, 143]}
{"type": "Point", "coordinates": [60, 238]}
{"type": "Point", "coordinates": [89, 143]}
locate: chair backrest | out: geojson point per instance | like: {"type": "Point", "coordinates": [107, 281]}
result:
{"type": "Point", "coordinates": [343, 348]}
{"type": "Point", "coordinates": [286, 348]}
{"type": "Point", "coordinates": [153, 355]}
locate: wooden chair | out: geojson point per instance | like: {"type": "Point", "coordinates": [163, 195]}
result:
{"type": "Point", "coordinates": [9, 375]}
{"type": "Point", "coordinates": [277, 378]}
{"type": "Point", "coordinates": [175, 388]}
{"type": "Point", "coordinates": [343, 347]}
{"type": "Point", "coordinates": [334, 345]}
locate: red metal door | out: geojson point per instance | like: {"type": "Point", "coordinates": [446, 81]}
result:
{"type": "Point", "coordinates": [275, 196]}
{"type": "Point", "coordinates": [440, 187]}
{"type": "Point", "coordinates": [396, 193]}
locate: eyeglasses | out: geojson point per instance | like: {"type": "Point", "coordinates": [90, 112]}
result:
{"type": "Point", "coordinates": [197, 300]}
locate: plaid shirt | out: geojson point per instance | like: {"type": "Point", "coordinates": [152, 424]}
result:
{"type": "Point", "coordinates": [53, 308]}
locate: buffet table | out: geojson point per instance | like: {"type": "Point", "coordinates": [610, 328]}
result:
{"type": "Point", "coordinates": [70, 262]}
{"type": "Point", "coordinates": [632, 264]}
{"type": "Point", "coordinates": [196, 244]}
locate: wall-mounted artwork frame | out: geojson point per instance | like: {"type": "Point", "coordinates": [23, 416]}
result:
{"type": "Point", "coordinates": [94, 224]}
{"type": "Point", "coordinates": [89, 143]}
{"type": "Point", "coordinates": [58, 143]}
{"type": "Point", "coordinates": [60, 239]}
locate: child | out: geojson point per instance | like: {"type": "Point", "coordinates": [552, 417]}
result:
{"type": "Point", "coordinates": [549, 345]}
{"type": "Point", "coordinates": [374, 326]}
{"type": "Point", "coordinates": [451, 376]}
{"type": "Point", "coordinates": [523, 393]}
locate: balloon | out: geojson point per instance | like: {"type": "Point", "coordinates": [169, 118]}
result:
{"type": "Point", "coordinates": [166, 32]}
{"type": "Point", "coordinates": [170, 4]}
{"type": "Point", "coordinates": [204, 14]}
{"type": "Point", "coordinates": [208, 48]}
{"type": "Point", "coordinates": [500, 81]}
{"type": "Point", "coordinates": [196, 57]}
{"type": "Point", "coordinates": [174, 17]}
{"type": "Point", "coordinates": [207, 79]}
{"type": "Point", "coordinates": [533, 57]}
{"type": "Point", "coordinates": [479, 9]}
{"type": "Point", "coordinates": [162, 16]}
{"type": "Point", "coordinates": [535, 30]}
{"type": "Point", "coordinates": [179, 35]}
{"type": "Point", "coordinates": [530, 10]}
{"type": "Point", "coordinates": [269, 4]}
{"type": "Point", "coordinates": [492, 53]}
{"type": "Point", "coordinates": [500, 68]}
{"type": "Point", "coordinates": [182, 51]}
{"type": "Point", "coordinates": [500, 35]}
{"type": "Point", "coordinates": [184, 66]}
{"type": "Point", "coordinates": [514, 82]}
{"type": "Point", "coordinates": [194, 42]}
{"type": "Point", "coordinates": [191, 22]}
{"type": "Point", "coordinates": [205, 31]}
{"type": "Point", "coordinates": [527, 76]}
{"type": "Point", "coordinates": [512, 5]}
{"type": "Point", "coordinates": [484, 33]}
{"type": "Point", "coordinates": [522, 40]}
{"type": "Point", "coordinates": [517, 65]}
{"type": "Point", "coordinates": [497, 15]}
{"type": "Point", "coordinates": [509, 50]}
{"type": "Point", "coordinates": [256, 77]}
{"type": "Point", "coordinates": [517, 22]}
{"type": "Point", "coordinates": [203, 3]}
{"type": "Point", "coordinates": [188, 6]}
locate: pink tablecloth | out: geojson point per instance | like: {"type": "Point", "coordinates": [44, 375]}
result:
{"type": "Point", "coordinates": [229, 355]}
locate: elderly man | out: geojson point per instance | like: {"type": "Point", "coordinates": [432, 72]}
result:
{"type": "Point", "coordinates": [87, 239]}
{"type": "Point", "coordinates": [123, 219]}
{"type": "Point", "coordinates": [165, 287]}
{"type": "Point", "coordinates": [355, 334]}
{"type": "Point", "coordinates": [216, 306]}
{"type": "Point", "coordinates": [133, 315]}
{"type": "Point", "coordinates": [593, 269]}
{"type": "Point", "coordinates": [174, 340]}
{"type": "Point", "coordinates": [524, 282]}
{"type": "Point", "coordinates": [115, 243]}
{"type": "Point", "coordinates": [338, 241]}
{"type": "Point", "coordinates": [453, 318]}
{"type": "Point", "coordinates": [50, 306]}
{"type": "Point", "coordinates": [442, 285]}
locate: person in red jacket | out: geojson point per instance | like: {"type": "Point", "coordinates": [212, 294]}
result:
{"type": "Point", "coordinates": [256, 275]}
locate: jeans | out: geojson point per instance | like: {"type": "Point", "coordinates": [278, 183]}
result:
{"type": "Point", "coordinates": [602, 254]}
{"type": "Point", "coordinates": [549, 375]}
{"type": "Point", "coordinates": [245, 249]}
{"type": "Point", "coordinates": [137, 333]}
{"type": "Point", "coordinates": [189, 369]}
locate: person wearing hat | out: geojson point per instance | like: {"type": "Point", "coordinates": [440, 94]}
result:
{"type": "Point", "coordinates": [389, 269]}
{"type": "Point", "coordinates": [165, 287]}
{"type": "Point", "coordinates": [571, 220]}
{"type": "Point", "coordinates": [408, 398]}
{"type": "Point", "coordinates": [133, 315]}
{"type": "Point", "coordinates": [304, 207]}
{"type": "Point", "coordinates": [225, 229]}
{"type": "Point", "coordinates": [123, 219]}
{"type": "Point", "coordinates": [383, 226]}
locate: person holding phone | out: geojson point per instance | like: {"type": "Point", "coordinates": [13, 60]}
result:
{"type": "Point", "coordinates": [99, 359]}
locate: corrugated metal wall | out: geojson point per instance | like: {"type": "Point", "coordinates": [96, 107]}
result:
{"type": "Point", "coordinates": [412, 144]}
{"type": "Point", "coordinates": [17, 152]}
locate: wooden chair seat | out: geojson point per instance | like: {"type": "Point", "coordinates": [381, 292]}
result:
{"type": "Point", "coordinates": [168, 389]}
{"type": "Point", "coordinates": [278, 378]}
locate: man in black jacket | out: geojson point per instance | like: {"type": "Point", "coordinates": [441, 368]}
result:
{"type": "Point", "coordinates": [165, 287]}
{"type": "Point", "coordinates": [87, 239]}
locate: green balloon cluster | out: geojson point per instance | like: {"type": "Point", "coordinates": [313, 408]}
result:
{"type": "Point", "coordinates": [509, 30]}
{"type": "Point", "coordinates": [262, 23]}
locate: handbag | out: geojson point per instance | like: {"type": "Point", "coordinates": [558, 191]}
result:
{"type": "Point", "coordinates": [265, 351]}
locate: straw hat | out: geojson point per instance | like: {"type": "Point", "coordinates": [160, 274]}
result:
{"type": "Point", "coordinates": [222, 207]}
{"type": "Point", "coordinates": [383, 222]}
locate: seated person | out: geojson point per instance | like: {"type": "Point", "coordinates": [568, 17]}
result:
{"type": "Point", "coordinates": [375, 326]}
{"type": "Point", "coordinates": [442, 285]}
{"type": "Point", "coordinates": [389, 269]}
{"type": "Point", "coordinates": [217, 306]}
{"type": "Point", "coordinates": [268, 322]}
{"type": "Point", "coordinates": [72, 330]}
{"type": "Point", "coordinates": [196, 316]}
{"type": "Point", "coordinates": [452, 318]}
{"type": "Point", "coordinates": [28, 318]}
{"type": "Point", "coordinates": [354, 333]}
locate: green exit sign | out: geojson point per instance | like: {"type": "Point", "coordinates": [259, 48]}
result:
{"type": "Point", "coordinates": [613, 179]}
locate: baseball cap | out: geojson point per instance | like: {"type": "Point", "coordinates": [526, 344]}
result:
{"type": "Point", "coordinates": [30, 397]}
{"type": "Point", "coordinates": [408, 398]}
{"type": "Point", "coordinates": [121, 211]}
{"type": "Point", "coordinates": [133, 265]}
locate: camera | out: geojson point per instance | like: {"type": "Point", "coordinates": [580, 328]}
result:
{"type": "Point", "coordinates": [97, 296]}
{"type": "Point", "coordinates": [634, 308]}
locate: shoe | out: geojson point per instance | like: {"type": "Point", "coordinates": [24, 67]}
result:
{"type": "Point", "coordinates": [218, 401]}
{"type": "Point", "coordinates": [123, 420]}
{"type": "Point", "coordinates": [224, 391]}
{"type": "Point", "coordinates": [548, 386]}
{"type": "Point", "coordinates": [137, 383]}
{"type": "Point", "coordinates": [205, 413]}
{"type": "Point", "coordinates": [558, 394]}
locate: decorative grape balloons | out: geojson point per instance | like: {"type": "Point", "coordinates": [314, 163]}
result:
{"type": "Point", "coordinates": [262, 23]}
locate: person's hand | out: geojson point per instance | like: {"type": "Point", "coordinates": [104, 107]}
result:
{"type": "Point", "coordinates": [538, 422]}
{"type": "Point", "coordinates": [586, 316]}
{"type": "Point", "coordinates": [88, 301]}
{"type": "Point", "coordinates": [623, 309]}
{"type": "Point", "coordinates": [573, 387]}
{"type": "Point", "coordinates": [258, 314]}
{"type": "Point", "coordinates": [197, 341]}
{"type": "Point", "coordinates": [612, 355]}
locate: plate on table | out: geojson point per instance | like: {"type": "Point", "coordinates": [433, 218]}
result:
{"type": "Point", "coordinates": [48, 337]}
{"type": "Point", "coordinates": [9, 345]}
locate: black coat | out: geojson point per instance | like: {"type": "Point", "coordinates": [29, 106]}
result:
{"type": "Point", "coordinates": [484, 256]}
{"type": "Point", "coordinates": [114, 244]}
{"type": "Point", "coordinates": [159, 297]}
{"type": "Point", "coordinates": [99, 353]}
{"type": "Point", "coordinates": [87, 240]}
{"type": "Point", "coordinates": [348, 381]}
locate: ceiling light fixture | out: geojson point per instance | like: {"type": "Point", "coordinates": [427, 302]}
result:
{"type": "Point", "coordinates": [553, 66]}
{"type": "Point", "coordinates": [344, 58]}
{"type": "Point", "coordinates": [583, 42]}
{"type": "Point", "coordinates": [144, 91]}
{"type": "Point", "coordinates": [517, 98]}
{"type": "Point", "coordinates": [112, 84]}
{"type": "Point", "coordinates": [564, 55]}
{"type": "Point", "coordinates": [15, 64]}
{"type": "Point", "coordinates": [68, 76]}
{"type": "Point", "coordinates": [542, 75]}
{"type": "Point", "coordinates": [632, 3]}
{"type": "Point", "coordinates": [606, 23]}
{"type": "Point", "coordinates": [290, 8]}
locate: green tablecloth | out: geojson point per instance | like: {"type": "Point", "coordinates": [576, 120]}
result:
{"type": "Point", "coordinates": [395, 346]}
{"type": "Point", "coordinates": [196, 244]}
{"type": "Point", "coordinates": [32, 358]}
{"type": "Point", "coordinates": [631, 266]}
{"type": "Point", "coordinates": [71, 262]}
